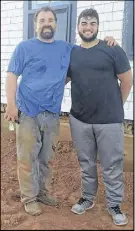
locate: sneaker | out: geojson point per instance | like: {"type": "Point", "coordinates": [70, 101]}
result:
{"type": "Point", "coordinates": [82, 205]}
{"type": "Point", "coordinates": [118, 217]}
{"type": "Point", "coordinates": [32, 208]}
{"type": "Point", "coordinates": [47, 199]}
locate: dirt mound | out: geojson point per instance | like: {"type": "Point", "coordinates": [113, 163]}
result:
{"type": "Point", "coordinates": [66, 184]}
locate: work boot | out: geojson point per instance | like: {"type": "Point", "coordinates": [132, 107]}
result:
{"type": "Point", "coordinates": [33, 208]}
{"type": "Point", "coordinates": [46, 199]}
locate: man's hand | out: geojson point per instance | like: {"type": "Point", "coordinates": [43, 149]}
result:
{"type": "Point", "coordinates": [110, 41]}
{"type": "Point", "coordinates": [11, 113]}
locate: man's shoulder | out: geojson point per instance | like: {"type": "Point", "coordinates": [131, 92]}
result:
{"type": "Point", "coordinates": [67, 44]}
{"type": "Point", "coordinates": [63, 43]}
{"type": "Point", "coordinates": [115, 48]}
{"type": "Point", "coordinates": [25, 43]}
{"type": "Point", "coordinates": [113, 51]}
{"type": "Point", "coordinates": [102, 44]}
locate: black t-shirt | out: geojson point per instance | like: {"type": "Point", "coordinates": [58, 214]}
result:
{"type": "Point", "coordinates": [95, 92]}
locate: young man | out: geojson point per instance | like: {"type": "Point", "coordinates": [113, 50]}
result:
{"type": "Point", "coordinates": [43, 64]}
{"type": "Point", "coordinates": [97, 114]}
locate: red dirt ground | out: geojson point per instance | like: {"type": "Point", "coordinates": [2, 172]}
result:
{"type": "Point", "coordinates": [65, 186]}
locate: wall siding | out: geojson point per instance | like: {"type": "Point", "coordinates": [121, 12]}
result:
{"type": "Point", "coordinates": [111, 22]}
{"type": "Point", "coordinates": [11, 35]}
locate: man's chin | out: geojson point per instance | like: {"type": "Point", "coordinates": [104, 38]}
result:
{"type": "Point", "coordinates": [88, 39]}
{"type": "Point", "coordinates": [46, 36]}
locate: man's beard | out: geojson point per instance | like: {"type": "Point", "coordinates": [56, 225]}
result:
{"type": "Point", "coordinates": [48, 34]}
{"type": "Point", "coordinates": [88, 39]}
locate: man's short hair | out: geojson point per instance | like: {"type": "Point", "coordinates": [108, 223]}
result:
{"type": "Point", "coordinates": [88, 13]}
{"type": "Point", "coordinates": [45, 9]}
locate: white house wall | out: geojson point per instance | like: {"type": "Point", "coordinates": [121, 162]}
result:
{"type": "Point", "coordinates": [111, 22]}
{"type": "Point", "coordinates": [11, 35]}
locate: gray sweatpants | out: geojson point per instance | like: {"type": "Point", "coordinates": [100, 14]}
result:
{"type": "Point", "coordinates": [108, 141]}
{"type": "Point", "coordinates": [36, 139]}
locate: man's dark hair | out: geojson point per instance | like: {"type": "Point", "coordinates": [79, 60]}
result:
{"type": "Point", "coordinates": [88, 13]}
{"type": "Point", "coordinates": [45, 9]}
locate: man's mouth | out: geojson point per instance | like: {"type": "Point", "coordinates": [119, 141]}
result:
{"type": "Point", "coordinates": [46, 29]}
{"type": "Point", "coordinates": [87, 32]}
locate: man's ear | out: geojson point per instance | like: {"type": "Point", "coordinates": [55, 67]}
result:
{"type": "Point", "coordinates": [56, 27]}
{"type": "Point", "coordinates": [35, 27]}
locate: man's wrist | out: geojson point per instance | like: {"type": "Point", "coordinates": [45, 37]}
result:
{"type": "Point", "coordinates": [11, 104]}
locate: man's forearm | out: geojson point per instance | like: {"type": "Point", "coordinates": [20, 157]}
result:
{"type": "Point", "coordinates": [11, 87]}
{"type": "Point", "coordinates": [126, 82]}
{"type": "Point", "coordinates": [125, 90]}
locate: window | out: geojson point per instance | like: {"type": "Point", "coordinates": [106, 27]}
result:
{"type": "Point", "coordinates": [66, 13]}
{"type": "Point", "coordinates": [128, 29]}
{"type": "Point", "coordinates": [38, 4]}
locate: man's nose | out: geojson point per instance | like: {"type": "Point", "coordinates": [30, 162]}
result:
{"type": "Point", "coordinates": [47, 23]}
{"type": "Point", "coordinates": [88, 26]}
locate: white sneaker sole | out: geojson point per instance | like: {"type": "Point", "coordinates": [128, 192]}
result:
{"type": "Point", "coordinates": [74, 211]}
{"type": "Point", "coordinates": [121, 224]}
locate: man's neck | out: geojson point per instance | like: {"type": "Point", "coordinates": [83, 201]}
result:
{"type": "Point", "coordinates": [89, 44]}
{"type": "Point", "coordinates": [46, 40]}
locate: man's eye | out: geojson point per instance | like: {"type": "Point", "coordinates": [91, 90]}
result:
{"type": "Point", "coordinates": [84, 23]}
{"type": "Point", "coordinates": [41, 21]}
{"type": "Point", "coordinates": [93, 23]}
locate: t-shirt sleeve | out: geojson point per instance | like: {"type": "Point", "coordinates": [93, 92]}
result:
{"type": "Point", "coordinates": [121, 61]}
{"type": "Point", "coordinates": [16, 63]}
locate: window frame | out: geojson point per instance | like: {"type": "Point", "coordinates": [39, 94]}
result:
{"type": "Point", "coordinates": [27, 9]}
{"type": "Point", "coordinates": [127, 38]}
